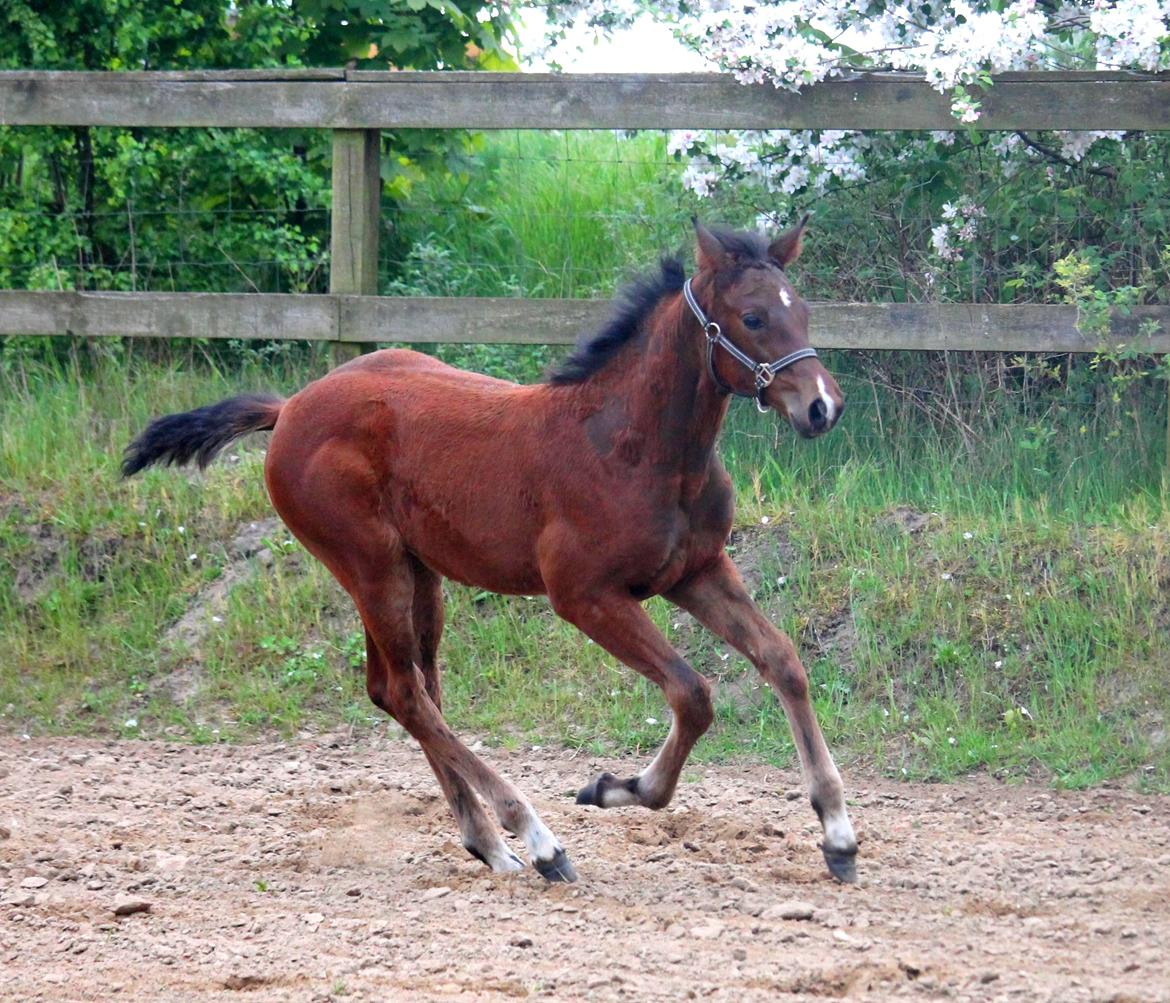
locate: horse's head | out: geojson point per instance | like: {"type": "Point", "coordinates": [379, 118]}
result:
{"type": "Point", "coordinates": [757, 327]}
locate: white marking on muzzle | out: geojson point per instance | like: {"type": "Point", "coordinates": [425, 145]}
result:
{"type": "Point", "coordinates": [830, 407]}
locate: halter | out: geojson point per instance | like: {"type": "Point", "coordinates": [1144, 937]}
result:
{"type": "Point", "coordinates": [765, 371]}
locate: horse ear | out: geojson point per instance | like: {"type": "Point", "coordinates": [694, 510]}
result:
{"type": "Point", "coordinates": [709, 251]}
{"type": "Point", "coordinates": [785, 249]}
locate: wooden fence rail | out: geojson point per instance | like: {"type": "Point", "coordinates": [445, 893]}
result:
{"type": "Point", "coordinates": [362, 320]}
{"type": "Point", "coordinates": [357, 105]}
{"type": "Point", "coordinates": [354, 99]}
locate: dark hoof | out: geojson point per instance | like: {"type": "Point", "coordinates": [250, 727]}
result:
{"type": "Point", "coordinates": [591, 794]}
{"type": "Point", "coordinates": [842, 864]}
{"type": "Point", "coordinates": [560, 868]}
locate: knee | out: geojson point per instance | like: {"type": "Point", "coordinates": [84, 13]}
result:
{"type": "Point", "coordinates": [789, 679]}
{"type": "Point", "coordinates": [376, 690]}
{"type": "Point", "coordinates": [691, 700]}
{"type": "Point", "coordinates": [782, 670]}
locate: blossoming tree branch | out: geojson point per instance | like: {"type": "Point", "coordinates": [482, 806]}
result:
{"type": "Point", "coordinates": [957, 46]}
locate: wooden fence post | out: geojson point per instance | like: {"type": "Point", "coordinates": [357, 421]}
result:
{"type": "Point", "coordinates": [353, 249]}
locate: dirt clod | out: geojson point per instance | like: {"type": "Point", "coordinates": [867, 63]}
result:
{"type": "Point", "coordinates": [128, 906]}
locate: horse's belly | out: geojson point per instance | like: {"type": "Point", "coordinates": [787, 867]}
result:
{"type": "Point", "coordinates": [478, 541]}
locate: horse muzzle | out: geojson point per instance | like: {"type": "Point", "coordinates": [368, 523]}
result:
{"type": "Point", "coordinates": [812, 405]}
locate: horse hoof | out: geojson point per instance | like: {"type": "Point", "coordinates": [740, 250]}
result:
{"type": "Point", "coordinates": [560, 868]}
{"type": "Point", "coordinates": [842, 864]}
{"type": "Point", "coordinates": [591, 794]}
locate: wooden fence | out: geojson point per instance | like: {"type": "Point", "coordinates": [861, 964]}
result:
{"type": "Point", "coordinates": [356, 105]}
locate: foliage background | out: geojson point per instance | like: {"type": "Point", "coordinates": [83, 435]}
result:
{"type": "Point", "coordinates": [975, 563]}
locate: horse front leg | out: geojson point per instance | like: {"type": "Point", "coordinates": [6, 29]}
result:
{"type": "Point", "coordinates": [620, 625]}
{"type": "Point", "coordinates": [717, 598]}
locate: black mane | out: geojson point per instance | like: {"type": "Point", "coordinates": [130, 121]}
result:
{"type": "Point", "coordinates": [639, 297]}
{"type": "Point", "coordinates": [633, 303]}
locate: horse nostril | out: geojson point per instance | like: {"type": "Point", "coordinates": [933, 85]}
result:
{"type": "Point", "coordinates": [818, 415]}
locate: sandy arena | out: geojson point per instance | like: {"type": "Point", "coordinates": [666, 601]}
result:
{"type": "Point", "coordinates": [331, 869]}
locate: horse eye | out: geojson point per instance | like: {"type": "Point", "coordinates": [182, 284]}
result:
{"type": "Point", "coordinates": [752, 322]}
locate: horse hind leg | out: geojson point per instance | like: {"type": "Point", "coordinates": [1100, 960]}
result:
{"type": "Point", "coordinates": [427, 621]}
{"type": "Point", "coordinates": [367, 557]}
{"type": "Point", "coordinates": [480, 838]}
{"type": "Point", "coordinates": [386, 604]}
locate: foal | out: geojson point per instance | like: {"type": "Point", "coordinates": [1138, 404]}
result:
{"type": "Point", "coordinates": [599, 488]}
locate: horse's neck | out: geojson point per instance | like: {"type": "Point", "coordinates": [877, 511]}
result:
{"type": "Point", "coordinates": [665, 392]}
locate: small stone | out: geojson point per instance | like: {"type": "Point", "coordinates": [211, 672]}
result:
{"type": "Point", "coordinates": [793, 795]}
{"type": "Point", "coordinates": [21, 900]}
{"type": "Point", "coordinates": [520, 942]}
{"type": "Point", "coordinates": [34, 882]}
{"type": "Point", "coordinates": [434, 893]}
{"type": "Point", "coordinates": [707, 931]}
{"type": "Point", "coordinates": [238, 982]}
{"type": "Point", "coordinates": [354, 893]}
{"type": "Point", "coordinates": [125, 905]}
{"type": "Point", "coordinates": [314, 918]}
{"type": "Point", "coordinates": [789, 910]}
{"type": "Point", "coordinates": [5, 832]}
{"type": "Point", "coordinates": [913, 967]}
{"type": "Point", "coordinates": [752, 905]}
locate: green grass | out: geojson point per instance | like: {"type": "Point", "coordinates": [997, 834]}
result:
{"type": "Point", "coordinates": [950, 620]}
{"type": "Point", "coordinates": [975, 564]}
{"type": "Point", "coordinates": [545, 215]}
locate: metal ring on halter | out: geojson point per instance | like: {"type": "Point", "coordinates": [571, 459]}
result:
{"type": "Point", "coordinates": [764, 377]}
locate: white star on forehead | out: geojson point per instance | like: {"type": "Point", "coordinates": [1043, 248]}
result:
{"type": "Point", "coordinates": [785, 298]}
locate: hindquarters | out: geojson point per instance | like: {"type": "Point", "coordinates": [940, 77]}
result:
{"type": "Point", "coordinates": [454, 463]}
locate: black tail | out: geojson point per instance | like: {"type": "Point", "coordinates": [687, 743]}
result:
{"type": "Point", "coordinates": [200, 434]}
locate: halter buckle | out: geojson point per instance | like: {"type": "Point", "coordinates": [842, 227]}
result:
{"type": "Point", "coordinates": [713, 331]}
{"type": "Point", "coordinates": [764, 377]}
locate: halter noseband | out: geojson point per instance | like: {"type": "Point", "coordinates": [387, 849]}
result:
{"type": "Point", "coordinates": [765, 371]}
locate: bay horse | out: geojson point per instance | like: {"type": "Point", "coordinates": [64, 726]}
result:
{"type": "Point", "coordinates": [599, 487]}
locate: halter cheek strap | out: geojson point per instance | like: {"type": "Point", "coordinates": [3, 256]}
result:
{"type": "Point", "coordinates": [765, 372]}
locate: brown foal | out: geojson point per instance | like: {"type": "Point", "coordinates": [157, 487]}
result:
{"type": "Point", "coordinates": [600, 487]}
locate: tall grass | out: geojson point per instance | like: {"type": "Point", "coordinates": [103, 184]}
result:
{"type": "Point", "coordinates": [977, 578]}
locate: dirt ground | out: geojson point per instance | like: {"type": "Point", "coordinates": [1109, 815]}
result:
{"type": "Point", "coordinates": [330, 869]}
